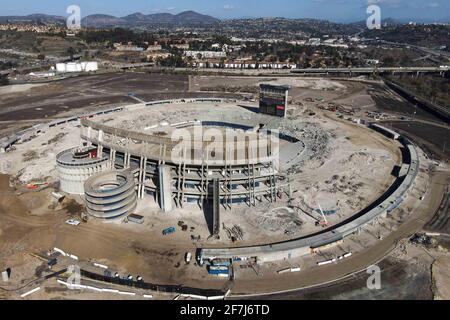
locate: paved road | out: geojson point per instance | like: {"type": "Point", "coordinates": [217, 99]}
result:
{"type": "Point", "coordinates": [373, 70]}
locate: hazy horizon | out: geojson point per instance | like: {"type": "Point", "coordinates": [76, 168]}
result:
{"type": "Point", "coordinates": [333, 10]}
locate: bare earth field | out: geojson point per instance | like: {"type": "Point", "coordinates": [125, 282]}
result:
{"type": "Point", "coordinates": [84, 94]}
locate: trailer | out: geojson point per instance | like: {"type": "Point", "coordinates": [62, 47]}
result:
{"type": "Point", "coordinates": [219, 271]}
{"type": "Point", "coordinates": [221, 262]}
{"type": "Point", "coordinates": [136, 218]}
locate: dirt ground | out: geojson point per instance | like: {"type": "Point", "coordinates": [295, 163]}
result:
{"type": "Point", "coordinates": [424, 131]}
{"type": "Point", "coordinates": [388, 101]}
{"type": "Point", "coordinates": [83, 94]}
{"type": "Point", "coordinates": [441, 275]}
{"type": "Point", "coordinates": [400, 280]}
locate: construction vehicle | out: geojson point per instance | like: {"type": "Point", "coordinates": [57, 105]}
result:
{"type": "Point", "coordinates": [168, 231]}
{"type": "Point", "coordinates": [73, 222]}
{"type": "Point", "coordinates": [36, 185]}
{"type": "Point", "coordinates": [324, 221]}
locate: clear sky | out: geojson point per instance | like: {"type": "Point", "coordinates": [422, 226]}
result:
{"type": "Point", "coordinates": [335, 10]}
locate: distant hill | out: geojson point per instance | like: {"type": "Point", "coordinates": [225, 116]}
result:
{"type": "Point", "coordinates": [37, 17]}
{"type": "Point", "coordinates": [102, 20]}
{"type": "Point", "coordinates": [384, 22]}
{"type": "Point", "coordinates": [187, 18]}
{"type": "Point", "coordinates": [253, 26]}
{"type": "Point", "coordinates": [426, 36]}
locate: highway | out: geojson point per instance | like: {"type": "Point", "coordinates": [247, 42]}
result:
{"type": "Point", "coordinates": [371, 70]}
{"type": "Point", "coordinates": [425, 50]}
{"type": "Point", "coordinates": [304, 71]}
{"type": "Point", "coordinates": [441, 111]}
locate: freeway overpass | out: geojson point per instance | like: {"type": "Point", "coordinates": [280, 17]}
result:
{"type": "Point", "coordinates": [306, 71]}
{"type": "Point", "coordinates": [435, 52]}
{"type": "Point", "coordinates": [372, 70]}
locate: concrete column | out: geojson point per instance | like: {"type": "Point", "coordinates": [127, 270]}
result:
{"type": "Point", "coordinates": [112, 157]}
{"type": "Point", "coordinates": [100, 136]}
{"type": "Point", "coordinates": [125, 160]}
{"type": "Point", "coordinates": [216, 207]}
{"type": "Point", "coordinates": [144, 169]}
{"type": "Point", "coordinates": [140, 177]}
{"type": "Point", "coordinates": [165, 191]}
{"type": "Point", "coordinates": [99, 151]}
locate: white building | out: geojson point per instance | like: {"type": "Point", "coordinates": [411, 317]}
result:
{"type": "Point", "coordinates": [77, 66]}
{"type": "Point", "coordinates": [205, 54]}
{"type": "Point", "coordinates": [155, 47]}
{"type": "Point", "coordinates": [372, 61]}
{"type": "Point", "coordinates": [246, 65]}
{"type": "Point", "coordinates": [314, 42]}
{"type": "Point", "coordinates": [41, 74]}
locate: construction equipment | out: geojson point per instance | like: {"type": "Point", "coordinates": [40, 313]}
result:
{"type": "Point", "coordinates": [323, 222]}
{"type": "Point", "coordinates": [188, 257]}
{"type": "Point", "coordinates": [34, 186]}
{"type": "Point", "coordinates": [168, 231]}
{"type": "Point", "coordinates": [235, 233]}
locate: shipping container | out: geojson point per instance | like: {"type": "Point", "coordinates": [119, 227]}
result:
{"type": "Point", "coordinates": [218, 270]}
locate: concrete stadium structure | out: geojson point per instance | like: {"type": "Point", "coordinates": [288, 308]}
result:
{"type": "Point", "coordinates": [246, 173]}
{"type": "Point", "coordinates": [246, 165]}
{"type": "Point", "coordinates": [389, 201]}
{"type": "Point", "coordinates": [76, 165]}
{"type": "Point", "coordinates": [110, 194]}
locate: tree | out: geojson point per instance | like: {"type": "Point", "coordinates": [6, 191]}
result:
{"type": "Point", "coordinates": [71, 51]}
{"type": "Point", "coordinates": [4, 80]}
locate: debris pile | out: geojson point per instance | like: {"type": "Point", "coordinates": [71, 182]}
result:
{"type": "Point", "coordinates": [235, 233]}
{"type": "Point", "coordinates": [282, 219]}
{"type": "Point", "coordinates": [422, 239]}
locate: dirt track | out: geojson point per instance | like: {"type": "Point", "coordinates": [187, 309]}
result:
{"type": "Point", "coordinates": [399, 280]}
